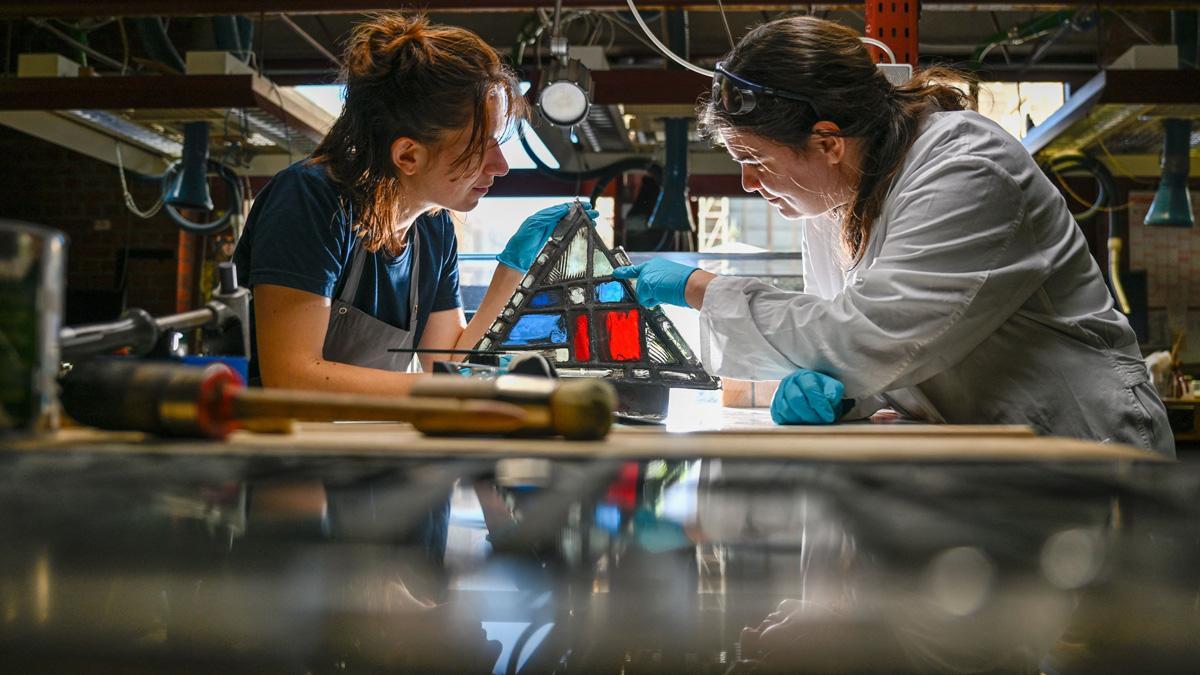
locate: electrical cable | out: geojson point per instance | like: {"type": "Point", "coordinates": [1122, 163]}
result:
{"type": "Point", "coordinates": [663, 48]}
{"type": "Point", "coordinates": [631, 32]}
{"type": "Point", "coordinates": [1137, 30]}
{"type": "Point", "coordinates": [1105, 189]}
{"type": "Point", "coordinates": [234, 202]}
{"type": "Point", "coordinates": [145, 214]}
{"type": "Point", "coordinates": [654, 170]}
{"type": "Point", "coordinates": [627, 164]}
{"type": "Point", "coordinates": [1126, 173]}
{"type": "Point", "coordinates": [725, 20]}
{"type": "Point", "coordinates": [313, 42]}
{"type": "Point", "coordinates": [124, 46]}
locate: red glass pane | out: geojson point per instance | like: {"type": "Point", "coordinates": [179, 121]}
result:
{"type": "Point", "coordinates": [624, 336]}
{"type": "Point", "coordinates": [583, 344]}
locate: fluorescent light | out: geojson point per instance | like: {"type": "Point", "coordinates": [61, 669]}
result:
{"type": "Point", "coordinates": [123, 129]}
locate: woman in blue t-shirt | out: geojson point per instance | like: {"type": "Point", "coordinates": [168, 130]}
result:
{"type": "Point", "coordinates": [350, 252]}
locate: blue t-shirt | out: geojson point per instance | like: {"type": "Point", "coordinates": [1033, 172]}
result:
{"type": "Point", "coordinates": [299, 235]}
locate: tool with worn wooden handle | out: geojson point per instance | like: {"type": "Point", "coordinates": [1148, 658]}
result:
{"type": "Point", "coordinates": [211, 402]}
{"type": "Point", "coordinates": [579, 409]}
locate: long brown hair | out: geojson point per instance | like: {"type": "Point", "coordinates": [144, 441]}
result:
{"type": "Point", "coordinates": [407, 77]}
{"type": "Point", "coordinates": [827, 62]}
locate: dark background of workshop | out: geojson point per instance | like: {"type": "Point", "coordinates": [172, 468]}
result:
{"type": "Point", "coordinates": [60, 169]}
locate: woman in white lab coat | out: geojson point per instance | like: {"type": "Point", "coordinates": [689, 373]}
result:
{"type": "Point", "coordinates": [944, 275]}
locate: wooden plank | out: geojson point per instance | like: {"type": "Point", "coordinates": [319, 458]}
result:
{"type": "Point", "coordinates": [379, 440]}
{"type": "Point", "coordinates": [863, 429]}
{"type": "Point", "coordinates": [758, 421]}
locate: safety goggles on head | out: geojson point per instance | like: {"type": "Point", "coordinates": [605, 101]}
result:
{"type": "Point", "coordinates": [737, 95]}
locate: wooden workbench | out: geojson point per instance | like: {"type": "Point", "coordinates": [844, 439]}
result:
{"type": "Point", "coordinates": [838, 443]}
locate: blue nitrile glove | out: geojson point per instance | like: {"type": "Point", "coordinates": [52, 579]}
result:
{"type": "Point", "coordinates": [658, 281]}
{"type": "Point", "coordinates": [501, 366]}
{"type": "Point", "coordinates": [807, 397]}
{"type": "Point", "coordinates": [533, 234]}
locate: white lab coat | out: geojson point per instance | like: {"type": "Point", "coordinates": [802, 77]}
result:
{"type": "Point", "coordinates": [977, 302]}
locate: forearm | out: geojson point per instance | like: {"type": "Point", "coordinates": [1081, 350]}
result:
{"type": "Point", "coordinates": [697, 284]}
{"type": "Point", "coordinates": [504, 282]}
{"type": "Point", "coordinates": [323, 375]}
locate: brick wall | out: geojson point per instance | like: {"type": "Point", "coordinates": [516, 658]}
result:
{"type": "Point", "coordinates": [50, 185]}
{"type": "Point", "coordinates": [1171, 256]}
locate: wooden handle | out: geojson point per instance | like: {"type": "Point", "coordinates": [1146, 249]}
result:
{"type": "Point", "coordinates": [583, 408]}
{"type": "Point", "coordinates": [430, 415]}
{"type": "Point", "coordinates": [579, 409]}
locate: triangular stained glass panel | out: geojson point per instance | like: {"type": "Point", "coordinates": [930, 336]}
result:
{"type": "Point", "coordinates": [570, 309]}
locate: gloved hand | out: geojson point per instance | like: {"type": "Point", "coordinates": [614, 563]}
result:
{"type": "Point", "coordinates": [501, 366]}
{"type": "Point", "coordinates": [807, 397]}
{"type": "Point", "coordinates": [521, 250]}
{"type": "Point", "coordinates": [658, 281]}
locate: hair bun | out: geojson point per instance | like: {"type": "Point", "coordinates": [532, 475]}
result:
{"type": "Point", "coordinates": [379, 47]}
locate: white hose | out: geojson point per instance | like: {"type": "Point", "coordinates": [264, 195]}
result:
{"type": "Point", "coordinates": [663, 48]}
{"type": "Point", "coordinates": [129, 203]}
{"type": "Point", "coordinates": [708, 73]}
{"type": "Point", "coordinates": [876, 43]}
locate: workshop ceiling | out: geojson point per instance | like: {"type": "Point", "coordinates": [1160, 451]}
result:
{"type": "Point", "coordinates": [296, 40]}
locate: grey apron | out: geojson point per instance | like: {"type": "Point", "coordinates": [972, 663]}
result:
{"type": "Point", "coordinates": [359, 339]}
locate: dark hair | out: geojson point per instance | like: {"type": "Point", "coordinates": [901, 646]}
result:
{"type": "Point", "coordinates": [828, 63]}
{"type": "Point", "coordinates": [407, 77]}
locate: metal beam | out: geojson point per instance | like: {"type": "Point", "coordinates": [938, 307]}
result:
{"type": "Point", "coordinates": [74, 8]}
{"type": "Point", "coordinates": [68, 134]}
{"type": "Point", "coordinates": [641, 86]}
{"type": "Point", "coordinates": [164, 92]}
{"type": "Point", "coordinates": [1120, 87]}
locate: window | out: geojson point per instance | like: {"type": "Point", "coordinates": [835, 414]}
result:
{"type": "Point", "coordinates": [745, 225]}
{"type": "Point", "coordinates": [488, 228]}
{"type": "Point", "coordinates": [1009, 103]}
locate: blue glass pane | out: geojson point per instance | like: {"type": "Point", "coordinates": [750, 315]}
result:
{"type": "Point", "coordinates": [610, 291]}
{"type": "Point", "coordinates": [548, 298]}
{"type": "Point", "coordinates": [538, 328]}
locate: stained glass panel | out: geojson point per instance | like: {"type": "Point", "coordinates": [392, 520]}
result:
{"type": "Point", "coordinates": [600, 265]}
{"type": "Point", "coordinates": [624, 335]}
{"type": "Point", "coordinates": [537, 328]}
{"type": "Point", "coordinates": [610, 291]}
{"type": "Point", "coordinates": [551, 297]}
{"type": "Point", "coordinates": [655, 349]}
{"type": "Point", "coordinates": [573, 263]}
{"type": "Point", "coordinates": [604, 332]}
{"type": "Point", "coordinates": [583, 341]}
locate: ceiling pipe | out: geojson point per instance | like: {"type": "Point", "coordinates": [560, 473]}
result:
{"type": "Point", "coordinates": [16, 9]}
